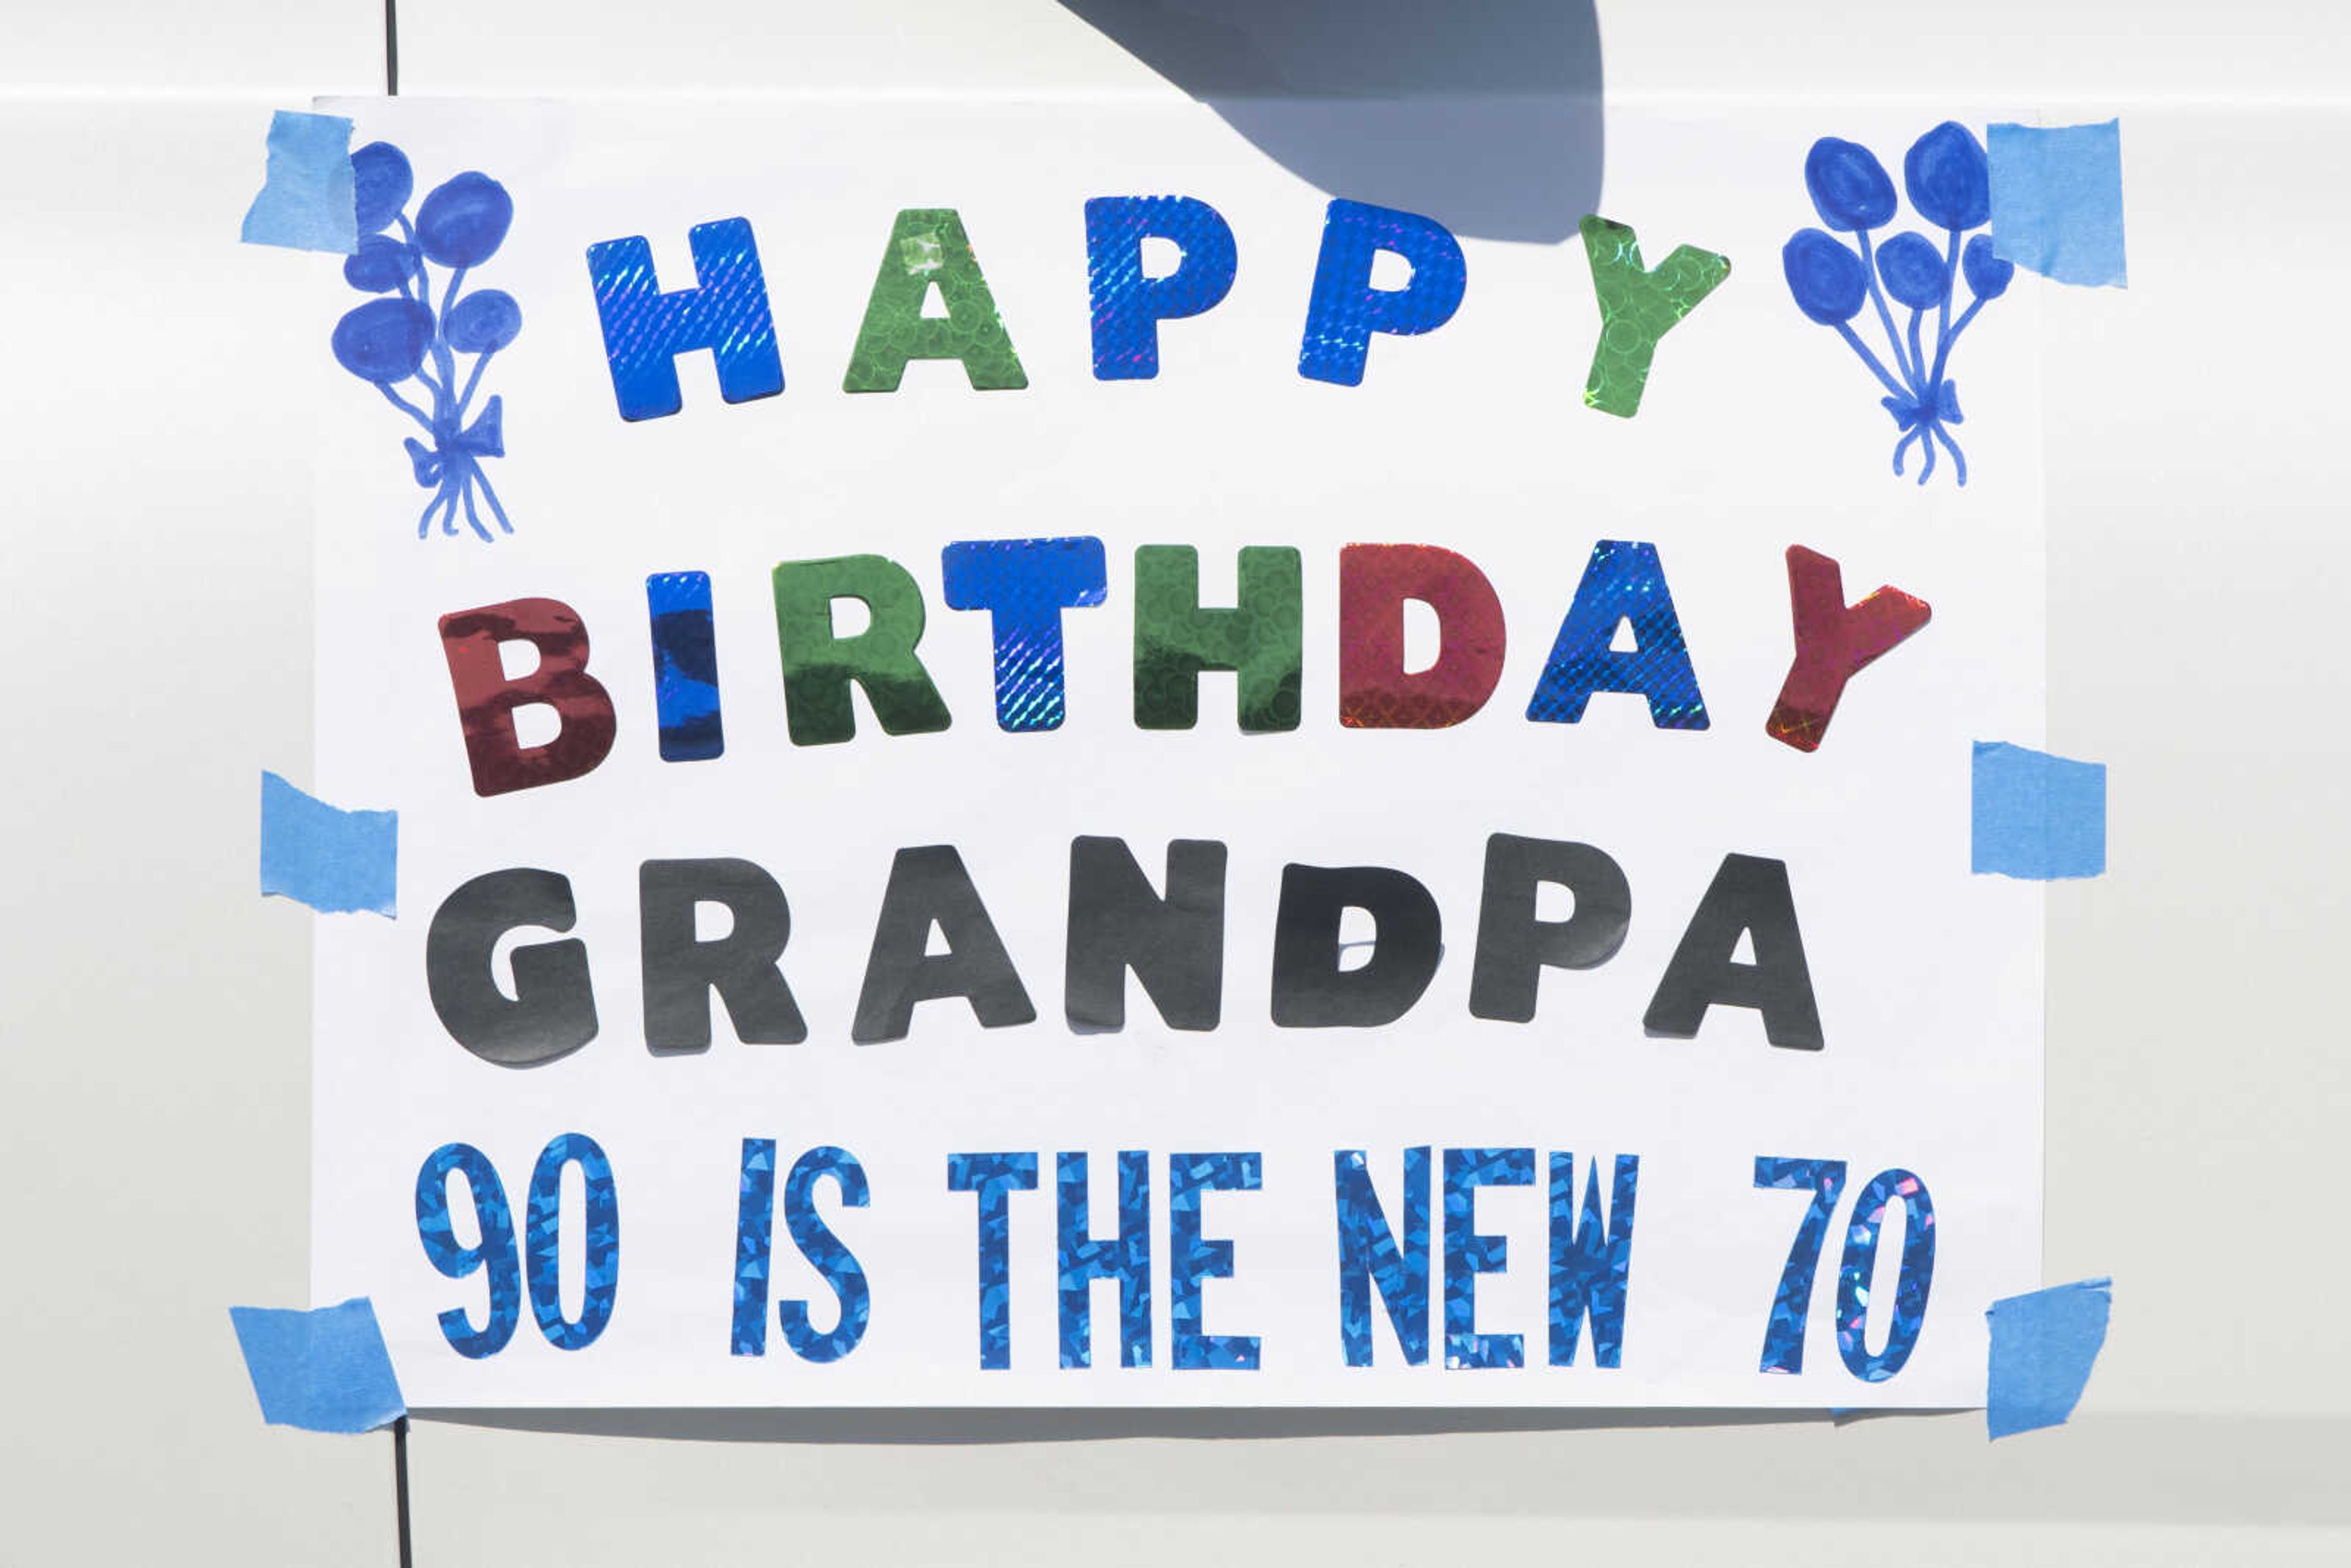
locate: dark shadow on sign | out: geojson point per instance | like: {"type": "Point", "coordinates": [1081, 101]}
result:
{"type": "Point", "coordinates": [968, 1427]}
{"type": "Point", "coordinates": [1493, 125]}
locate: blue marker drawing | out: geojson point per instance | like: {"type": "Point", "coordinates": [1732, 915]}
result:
{"type": "Point", "coordinates": [459, 225]}
{"type": "Point", "coordinates": [1949, 181]}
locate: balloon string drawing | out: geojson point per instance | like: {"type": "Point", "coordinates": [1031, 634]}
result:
{"type": "Point", "coordinates": [459, 225]}
{"type": "Point", "coordinates": [1949, 181]}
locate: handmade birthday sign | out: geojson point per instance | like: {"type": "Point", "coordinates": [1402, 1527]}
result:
{"type": "Point", "coordinates": [1037, 764]}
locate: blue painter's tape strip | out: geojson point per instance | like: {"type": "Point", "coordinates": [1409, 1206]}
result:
{"type": "Point", "coordinates": [307, 201]}
{"type": "Point", "coordinates": [2043, 1347]}
{"type": "Point", "coordinates": [334, 860]}
{"type": "Point", "coordinates": [2057, 201]}
{"type": "Point", "coordinates": [2037, 817]}
{"type": "Point", "coordinates": [324, 1371]}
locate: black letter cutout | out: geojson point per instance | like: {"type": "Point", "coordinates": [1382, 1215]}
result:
{"type": "Point", "coordinates": [1310, 989]}
{"type": "Point", "coordinates": [1513, 947]}
{"type": "Point", "coordinates": [1176, 946]}
{"type": "Point", "coordinates": [929, 885]}
{"type": "Point", "coordinates": [1751, 895]}
{"type": "Point", "coordinates": [681, 972]}
{"type": "Point", "coordinates": [552, 1012]}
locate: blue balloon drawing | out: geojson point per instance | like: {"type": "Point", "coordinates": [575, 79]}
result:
{"type": "Point", "coordinates": [1949, 181]}
{"type": "Point", "coordinates": [400, 336]}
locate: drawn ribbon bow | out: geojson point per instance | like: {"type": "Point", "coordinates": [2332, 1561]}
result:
{"type": "Point", "coordinates": [486, 437]}
{"type": "Point", "coordinates": [1908, 413]}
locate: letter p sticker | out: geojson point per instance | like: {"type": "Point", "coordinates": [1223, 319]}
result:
{"type": "Point", "coordinates": [1345, 309]}
{"type": "Point", "coordinates": [1128, 303]}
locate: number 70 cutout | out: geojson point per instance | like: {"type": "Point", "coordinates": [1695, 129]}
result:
{"type": "Point", "coordinates": [1783, 1334]}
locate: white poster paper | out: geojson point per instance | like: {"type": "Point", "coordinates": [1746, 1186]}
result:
{"type": "Point", "coordinates": [1605, 1210]}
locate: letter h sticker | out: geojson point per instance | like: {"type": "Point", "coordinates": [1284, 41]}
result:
{"type": "Point", "coordinates": [646, 330]}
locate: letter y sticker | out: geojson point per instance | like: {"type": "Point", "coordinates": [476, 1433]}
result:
{"type": "Point", "coordinates": [1637, 307]}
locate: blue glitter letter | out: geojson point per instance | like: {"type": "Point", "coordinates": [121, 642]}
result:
{"type": "Point", "coordinates": [1469, 1254]}
{"type": "Point", "coordinates": [1783, 1333]}
{"type": "Point", "coordinates": [1128, 306]}
{"type": "Point", "coordinates": [494, 1223]}
{"type": "Point", "coordinates": [1085, 1259]}
{"type": "Point", "coordinates": [646, 330]}
{"type": "Point", "coordinates": [993, 1178]}
{"type": "Point", "coordinates": [1025, 584]}
{"type": "Point", "coordinates": [820, 1247]}
{"type": "Point", "coordinates": [1591, 1264]}
{"type": "Point", "coordinates": [1368, 1253]}
{"type": "Point", "coordinates": [1624, 582]}
{"type": "Point", "coordinates": [755, 1228]}
{"type": "Point", "coordinates": [542, 1243]}
{"type": "Point", "coordinates": [1193, 1257]}
{"type": "Point", "coordinates": [686, 666]}
{"type": "Point", "coordinates": [1345, 309]}
{"type": "Point", "coordinates": [1861, 1262]}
